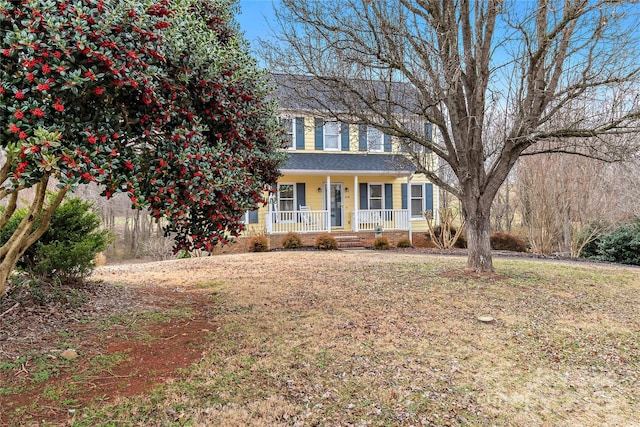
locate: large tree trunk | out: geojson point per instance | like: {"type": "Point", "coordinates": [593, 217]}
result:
{"type": "Point", "coordinates": [25, 235]}
{"type": "Point", "coordinates": [478, 231]}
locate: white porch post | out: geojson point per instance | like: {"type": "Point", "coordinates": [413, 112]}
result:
{"type": "Point", "coordinates": [328, 196]}
{"type": "Point", "coordinates": [436, 205]}
{"type": "Point", "coordinates": [356, 202]}
{"type": "Point", "coordinates": [409, 207]}
{"type": "Point", "coordinates": [269, 216]}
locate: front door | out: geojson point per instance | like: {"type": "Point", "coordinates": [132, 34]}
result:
{"type": "Point", "coordinates": [336, 210]}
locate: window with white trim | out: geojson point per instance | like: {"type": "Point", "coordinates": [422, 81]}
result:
{"type": "Point", "coordinates": [290, 132]}
{"type": "Point", "coordinates": [250, 217]}
{"type": "Point", "coordinates": [332, 136]}
{"type": "Point", "coordinates": [417, 201]}
{"type": "Point", "coordinates": [376, 196]}
{"type": "Point", "coordinates": [375, 139]}
{"type": "Point", "coordinates": [286, 197]}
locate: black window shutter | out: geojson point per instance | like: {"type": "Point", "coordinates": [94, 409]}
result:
{"type": "Point", "coordinates": [428, 198]}
{"type": "Point", "coordinates": [319, 125]}
{"type": "Point", "coordinates": [364, 196]}
{"type": "Point", "coordinates": [344, 136]}
{"type": "Point", "coordinates": [301, 195]}
{"type": "Point", "coordinates": [300, 133]}
{"type": "Point", "coordinates": [387, 142]}
{"type": "Point", "coordinates": [362, 137]}
{"type": "Point", "coordinates": [428, 131]}
{"type": "Point", "coordinates": [253, 217]}
{"type": "Point", "coordinates": [403, 189]}
{"type": "Point", "coordinates": [388, 196]}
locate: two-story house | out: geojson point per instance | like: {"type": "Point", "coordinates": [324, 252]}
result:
{"type": "Point", "coordinates": [344, 179]}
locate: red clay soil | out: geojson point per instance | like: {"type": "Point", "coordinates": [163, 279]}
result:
{"type": "Point", "coordinates": [139, 358]}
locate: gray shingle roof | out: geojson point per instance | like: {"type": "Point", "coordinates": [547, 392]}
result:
{"type": "Point", "coordinates": [307, 93]}
{"type": "Point", "coordinates": [351, 163]}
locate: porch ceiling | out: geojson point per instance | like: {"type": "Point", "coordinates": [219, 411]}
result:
{"type": "Point", "coordinates": [348, 164]}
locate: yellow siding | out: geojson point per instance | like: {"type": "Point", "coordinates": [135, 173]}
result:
{"type": "Point", "coordinates": [314, 198]}
{"type": "Point", "coordinates": [309, 133]}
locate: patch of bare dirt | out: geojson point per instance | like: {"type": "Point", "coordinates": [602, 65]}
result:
{"type": "Point", "coordinates": [119, 354]}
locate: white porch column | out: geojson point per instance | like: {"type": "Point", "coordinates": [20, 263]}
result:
{"type": "Point", "coordinates": [436, 204]}
{"type": "Point", "coordinates": [356, 202]}
{"type": "Point", "coordinates": [269, 215]}
{"type": "Point", "coordinates": [409, 207]}
{"type": "Point", "coordinates": [328, 196]}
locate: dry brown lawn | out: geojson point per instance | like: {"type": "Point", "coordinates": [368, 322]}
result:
{"type": "Point", "coordinates": [391, 339]}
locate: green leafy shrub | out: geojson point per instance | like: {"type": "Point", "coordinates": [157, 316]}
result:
{"type": "Point", "coordinates": [258, 244]}
{"type": "Point", "coordinates": [403, 243]}
{"type": "Point", "coordinates": [326, 242]}
{"type": "Point", "coordinates": [590, 249]}
{"type": "Point", "coordinates": [67, 250]}
{"type": "Point", "coordinates": [182, 254]}
{"type": "Point", "coordinates": [501, 241]}
{"type": "Point", "coordinates": [622, 245]}
{"type": "Point", "coordinates": [291, 240]}
{"type": "Point", "coordinates": [381, 243]}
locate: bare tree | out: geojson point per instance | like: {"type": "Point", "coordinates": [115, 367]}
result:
{"type": "Point", "coordinates": [504, 207]}
{"type": "Point", "coordinates": [567, 201]}
{"type": "Point", "coordinates": [560, 72]}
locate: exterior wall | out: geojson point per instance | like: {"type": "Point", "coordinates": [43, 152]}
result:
{"type": "Point", "coordinates": [316, 199]}
{"type": "Point", "coordinates": [420, 225]}
{"type": "Point", "coordinates": [309, 137]}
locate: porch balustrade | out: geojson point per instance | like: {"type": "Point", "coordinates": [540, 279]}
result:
{"type": "Point", "coordinates": [297, 221]}
{"type": "Point", "coordinates": [388, 219]}
{"type": "Point", "coordinates": [309, 221]}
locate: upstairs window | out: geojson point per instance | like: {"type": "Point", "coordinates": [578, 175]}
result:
{"type": "Point", "coordinates": [372, 139]}
{"type": "Point", "coordinates": [332, 136]}
{"type": "Point", "coordinates": [375, 139]}
{"type": "Point", "coordinates": [290, 132]}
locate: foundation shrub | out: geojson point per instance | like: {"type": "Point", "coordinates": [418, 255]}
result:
{"type": "Point", "coordinates": [381, 243]}
{"type": "Point", "coordinates": [258, 244]}
{"type": "Point", "coordinates": [326, 242]}
{"type": "Point", "coordinates": [291, 240]}
{"type": "Point", "coordinates": [403, 243]}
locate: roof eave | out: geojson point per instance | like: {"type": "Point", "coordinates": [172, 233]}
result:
{"type": "Point", "coordinates": [346, 172]}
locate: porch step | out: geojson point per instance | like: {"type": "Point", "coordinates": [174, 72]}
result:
{"type": "Point", "coordinates": [349, 242]}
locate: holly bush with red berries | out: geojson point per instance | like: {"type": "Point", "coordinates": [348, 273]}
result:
{"type": "Point", "coordinates": [160, 100]}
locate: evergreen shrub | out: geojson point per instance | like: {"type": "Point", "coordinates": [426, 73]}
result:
{"type": "Point", "coordinates": [381, 243]}
{"type": "Point", "coordinates": [326, 242]}
{"type": "Point", "coordinates": [258, 244]}
{"type": "Point", "coordinates": [291, 240]}
{"type": "Point", "coordinates": [67, 250]}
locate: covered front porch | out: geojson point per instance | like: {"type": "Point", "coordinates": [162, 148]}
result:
{"type": "Point", "coordinates": [342, 193]}
{"type": "Point", "coordinates": [315, 221]}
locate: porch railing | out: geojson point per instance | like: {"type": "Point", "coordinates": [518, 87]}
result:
{"type": "Point", "coordinates": [297, 221]}
{"type": "Point", "coordinates": [388, 219]}
{"type": "Point", "coordinates": [317, 221]}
